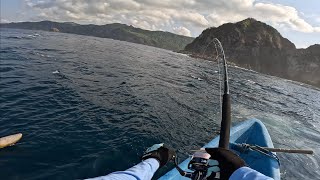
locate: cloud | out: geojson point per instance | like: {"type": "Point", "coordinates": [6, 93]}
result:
{"type": "Point", "coordinates": [180, 16]}
{"type": "Point", "coordinates": [317, 29]}
{"type": "Point", "coordinates": [182, 31]}
{"type": "Point", "coordinates": [4, 20]}
{"type": "Point", "coordinates": [193, 18]}
{"type": "Point", "coordinates": [277, 13]}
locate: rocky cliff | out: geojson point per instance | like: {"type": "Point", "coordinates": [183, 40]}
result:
{"type": "Point", "coordinates": [258, 46]}
{"type": "Point", "coordinates": [304, 65]}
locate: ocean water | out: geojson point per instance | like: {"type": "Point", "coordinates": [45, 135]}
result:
{"type": "Point", "coordinates": [89, 106]}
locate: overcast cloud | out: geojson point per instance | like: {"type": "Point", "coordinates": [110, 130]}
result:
{"type": "Point", "coordinates": [185, 17]}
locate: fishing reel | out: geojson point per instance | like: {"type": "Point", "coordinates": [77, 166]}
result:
{"type": "Point", "coordinates": [199, 164]}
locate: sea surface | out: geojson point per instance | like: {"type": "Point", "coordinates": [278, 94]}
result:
{"type": "Point", "coordinates": [89, 106]}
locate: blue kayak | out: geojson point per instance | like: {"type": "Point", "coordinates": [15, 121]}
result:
{"type": "Point", "coordinates": [249, 132]}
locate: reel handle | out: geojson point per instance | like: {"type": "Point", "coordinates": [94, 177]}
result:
{"type": "Point", "coordinates": [175, 162]}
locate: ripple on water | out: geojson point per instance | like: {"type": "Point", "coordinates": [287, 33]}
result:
{"type": "Point", "coordinates": [111, 100]}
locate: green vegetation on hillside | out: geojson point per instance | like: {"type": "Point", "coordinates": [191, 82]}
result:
{"type": "Point", "coordinates": [165, 40]}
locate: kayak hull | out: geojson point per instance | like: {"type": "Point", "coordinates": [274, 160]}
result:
{"type": "Point", "coordinates": [10, 140]}
{"type": "Point", "coordinates": [250, 132]}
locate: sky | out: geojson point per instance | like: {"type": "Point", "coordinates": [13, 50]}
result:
{"type": "Point", "coordinates": [297, 20]}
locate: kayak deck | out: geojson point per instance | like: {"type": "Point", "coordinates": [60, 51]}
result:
{"type": "Point", "coordinates": [250, 132]}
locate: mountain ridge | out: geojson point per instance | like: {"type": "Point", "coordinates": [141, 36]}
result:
{"type": "Point", "coordinates": [255, 45]}
{"type": "Point", "coordinates": [118, 31]}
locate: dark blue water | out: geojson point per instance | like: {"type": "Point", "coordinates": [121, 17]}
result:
{"type": "Point", "coordinates": [88, 106]}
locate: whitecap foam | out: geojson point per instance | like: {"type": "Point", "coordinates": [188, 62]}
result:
{"type": "Point", "coordinates": [194, 77]}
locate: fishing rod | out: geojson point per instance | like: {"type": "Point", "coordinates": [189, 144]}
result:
{"type": "Point", "coordinates": [199, 162]}
{"type": "Point", "coordinates": [226, 102]}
